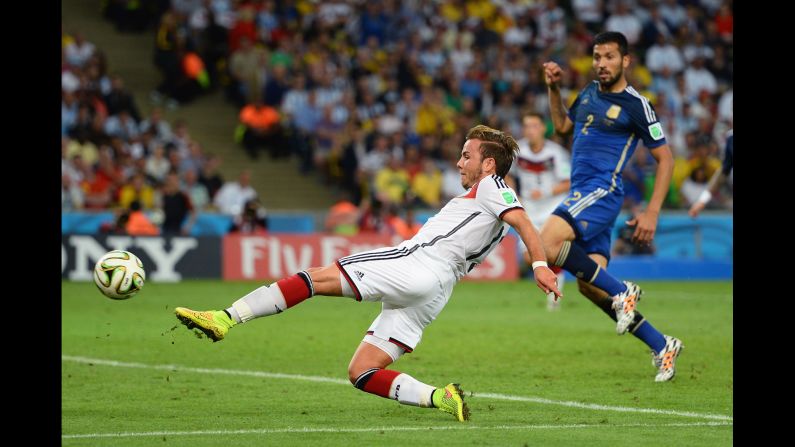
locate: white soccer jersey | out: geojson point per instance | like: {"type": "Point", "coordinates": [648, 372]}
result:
{"type": "Point", "coordinates": [542, 170]}
{"type": "Point", "coordinates": [468, 228]}
{"type": "Point", "coordinates": [414, 280]}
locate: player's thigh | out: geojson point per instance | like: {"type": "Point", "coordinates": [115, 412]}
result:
{"type": "Point", "coordinates": [591, 292]}
{"type": "Point", "coordinates": [403, 327]}
{"type": "Point", "coordinates": [554, 232]}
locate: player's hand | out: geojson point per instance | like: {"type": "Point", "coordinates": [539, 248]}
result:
{"type": "Point", "coordinates": [547, 281]}
{"type": "Point", "coordinates": [645, 225]}
{"type": "Point", "coordinates": [552, 74]}
{"type": "Point", "coordinates": [696, 209]}
{"type": "Point", "coordinates": [536, 194]}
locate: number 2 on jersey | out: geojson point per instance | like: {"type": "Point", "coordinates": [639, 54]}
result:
{"type": "Point", "coordinates": [575, 196]}
{"type": "Point", "coordinates": [589, 121]}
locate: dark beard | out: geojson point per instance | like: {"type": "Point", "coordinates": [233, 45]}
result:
{"type": "Point", "coordinates": [607, 85]}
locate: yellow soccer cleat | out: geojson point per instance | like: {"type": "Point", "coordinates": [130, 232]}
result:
{"type": "Point", "coordinates": [214, 323]}
{"type": "Point", "coordinates": [450, 399]}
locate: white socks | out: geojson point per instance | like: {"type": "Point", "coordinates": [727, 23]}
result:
{"type": "Point", "coordinates": [266, 300]}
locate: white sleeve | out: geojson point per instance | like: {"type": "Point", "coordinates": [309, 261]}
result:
{"type": "Point", "coordinates": [562, 165]}
{"type": "Point", "coordinates": [496, 196]}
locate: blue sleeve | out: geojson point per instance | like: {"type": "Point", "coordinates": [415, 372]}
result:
{"type": "Point", "coordinates": [573, 109]}
{"type": "Point", "coordinates": [646, 123]}
{"type": "Point", "coordinates": [728, 157]}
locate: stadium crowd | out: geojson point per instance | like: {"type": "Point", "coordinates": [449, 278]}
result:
{"type": "Point", "coordinates": [374, 98]}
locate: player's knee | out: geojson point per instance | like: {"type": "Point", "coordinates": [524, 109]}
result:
{"type": "Point", "coordinates": [355, 371]}
{"type": "Point", "coordinates": [551, 249]}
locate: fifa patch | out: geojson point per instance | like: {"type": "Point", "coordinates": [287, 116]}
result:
{"type": "Point", "coordinates": [656, 131]}
{"type": "Point", "coordinates": [509, 197]}
{"type": "Point", "coordinates": [613, 111]}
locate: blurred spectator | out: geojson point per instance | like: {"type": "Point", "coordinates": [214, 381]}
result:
{"type": "Point", "coordinates": [157, 165]}
{"type": "Point", "coordinates": [196, 191]}
{"type": "Point", "coordinates": [276, 86]}
{"type": "Point", "coordinates": [391, 182]}
{"type": "Point", "coordinates": [260, 128]}
{"type": "Point", "coordinates": [69, 111]}
{"type": "Point", "coordinates": [634, 178]}
{"type": "Point", "coordinates": [405, 228]}
{"type": "Point", "coordinates": [119, 99]}
{"type": "Point", "coordinates": [137, 190]}
{"type": "Point", "coordinates": [724, 22]}
{"type": "Point", "coordinates": [664, 54]}
{"type": "Point", "coordinates": [253, 218]}
{"type": "Point", "coordinates": [697, 47]}
{"type": "Point", "coordinates": [427, 185]}
{"type": "Point", "coordinates": [136, 223]}
{"type": "Point", "coordinates": [232, 197]}
{"type": "Point", "coordinates": [673, 13]}
{"type": "Point", "coordinates": [210, 177]}
{"type": "Point", "coordinates": [623, 21]}
{"type": "Point", "coordinates": [376, 158]}
{"type": "Point", "coordinates": [79, 51]}
{"type": "Point", "coordinates": [247, 68]}
{"type": "Point", "coordinates": [589, 12]}
{"type": "Point", "coordinates": [97, 190]}
{"type": "Point", "coordinates": [625, 246]}
{"type": "Point", "coordinates": [161, 129]}
{"type": "Point", "coordinates": [372, 217]}
{"type": "Point", "coordinates": [698, 78]}
{"type": "Point", "coordinates": [694, 185]}
{"type": "Point", "coordinates": [121, 125]}
{"type": "Point", "coordinates": [343, 217]}
{"type": "Point", "coordinates": [451, 179]}
{"type": "Point", "coordinates": [176, 206]}
{"type": "Point", "coordinates": [72, 197]}
{"type": "Point", "coordinates": [193, 160]}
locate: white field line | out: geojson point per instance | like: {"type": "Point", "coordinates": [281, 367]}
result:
{"type": "Point", "coordinates": [265, 431]}
{"type": "Point", "coordinates": [270, 375]}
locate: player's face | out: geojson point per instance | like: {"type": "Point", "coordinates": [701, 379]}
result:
{"type": "Point", "coordinates": [608, 64]}
{"type": "Point", "coordinates": [470, 165]}
{"type": "Point", "coordinates": [533, 129]}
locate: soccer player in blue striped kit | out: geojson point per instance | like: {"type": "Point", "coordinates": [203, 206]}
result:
{"type": "Point", "coordinates": [608, 118]}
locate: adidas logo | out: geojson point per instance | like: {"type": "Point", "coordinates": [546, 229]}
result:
{"type": "Point", "coordinates": [359, 274]}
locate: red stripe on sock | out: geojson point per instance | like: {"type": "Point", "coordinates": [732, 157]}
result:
{"type": "Point", "coordinates": [294, 290]}
{"type": "Point", "coordinates": [380, 382]}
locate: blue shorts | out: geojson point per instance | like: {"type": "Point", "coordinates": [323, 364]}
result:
{"type": "Point", "coordinates": [592, 214]}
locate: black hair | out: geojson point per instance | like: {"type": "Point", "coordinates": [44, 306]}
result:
{"type": "Point", "coordinates": [613, 37]}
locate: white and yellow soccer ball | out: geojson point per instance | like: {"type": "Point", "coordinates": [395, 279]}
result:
{"type": "Point", "coordinates": [119, 274]}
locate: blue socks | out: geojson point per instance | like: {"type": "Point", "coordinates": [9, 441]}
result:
{"type": "Point", "coordinates": [574, 260]}
{"type": "Point", "coordinates": [651, 336]}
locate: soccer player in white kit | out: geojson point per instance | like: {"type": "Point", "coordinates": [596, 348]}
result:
{"type": "Point", "coordinates": [542, 169]}
{"type": "Point", "coordinates": [413, 281]}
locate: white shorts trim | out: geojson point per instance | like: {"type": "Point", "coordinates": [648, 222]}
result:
{"type": "Point", "coordinates": [394, 351]}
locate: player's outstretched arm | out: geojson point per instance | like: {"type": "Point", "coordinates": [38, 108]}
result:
{"type": "Point", "coordinates": [561, 121]}
{"type": "Point", "coordinates": [706, 196]}
{"type": "Point", "coordinates": [545, 278]}
{"type": "Point", "coordinates": [646, 222]}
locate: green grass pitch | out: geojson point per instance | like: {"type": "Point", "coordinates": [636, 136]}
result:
{"type": "Point", "coordinates": [538, 377]}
